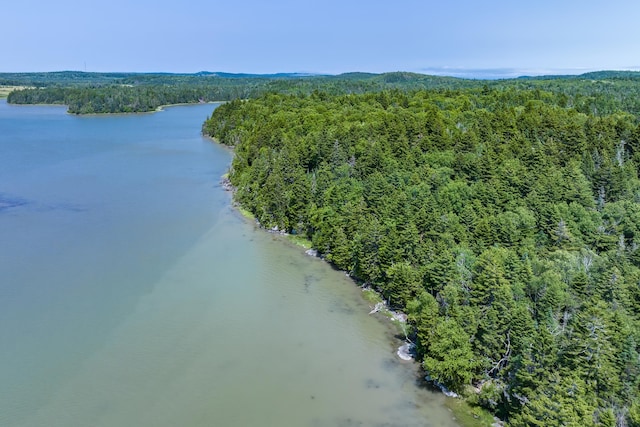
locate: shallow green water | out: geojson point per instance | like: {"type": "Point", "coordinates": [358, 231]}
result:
{"type": "Point", "coordinates": [131, 294]}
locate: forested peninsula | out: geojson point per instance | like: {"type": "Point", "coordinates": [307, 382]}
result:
{"type": "Point", "coordinates": [504, 218]}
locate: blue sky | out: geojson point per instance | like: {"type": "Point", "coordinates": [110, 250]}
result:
{"type": "Point", "coordinates": [468, 38]}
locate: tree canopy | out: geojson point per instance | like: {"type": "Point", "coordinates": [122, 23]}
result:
{"type": "Point", "coordinates": [504, 220]}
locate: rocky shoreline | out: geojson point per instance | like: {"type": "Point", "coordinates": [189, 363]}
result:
{"type": "Point", "coordinates": [406, 351]}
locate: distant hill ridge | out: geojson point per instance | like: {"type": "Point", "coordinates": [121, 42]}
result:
{"type": "Point", "coordinates": [72, 78]}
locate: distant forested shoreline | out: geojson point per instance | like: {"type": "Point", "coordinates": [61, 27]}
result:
{"type": "Point", "coordinates": [94, 93]}
{"type": "Point", "coordinates": [505, 221]}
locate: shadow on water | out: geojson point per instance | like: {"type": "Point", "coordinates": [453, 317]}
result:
{"type": "Point", "coordinates": [10, 202]}
{"type": "Point", "coordinates": [310, 280]}
{"type": "Point", "coordinates": [339, 306]}
{"type": "Point", "coordinates": [371, 383]}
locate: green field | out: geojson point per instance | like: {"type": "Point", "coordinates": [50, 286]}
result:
{"type": "Point", "coordinates": [4, 90]}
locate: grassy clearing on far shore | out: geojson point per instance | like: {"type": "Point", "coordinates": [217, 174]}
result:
{"type": "Point", "coordinates": [5, 90]}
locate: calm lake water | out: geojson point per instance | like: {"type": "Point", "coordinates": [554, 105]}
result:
{"type": "Point", "coordinates": [132, 294]}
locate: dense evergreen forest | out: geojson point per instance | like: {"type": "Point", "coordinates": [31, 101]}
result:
{"type": "Point", "coordinates": [503, 217]}
{"type": "Point", "coordinates": [84, 93]}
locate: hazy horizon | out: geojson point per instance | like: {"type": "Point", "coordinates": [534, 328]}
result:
{"type": "Point", "coordinates": [464, 73]}
{"type": "Point", "coordinates": [457, 38]}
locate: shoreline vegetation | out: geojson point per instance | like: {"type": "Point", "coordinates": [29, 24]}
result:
{"type": "Point", "coordinates": [162, 107]}
{"type": "Point", "coordinates": [504, 222]}
{"type": "Point", "coordinates": [158, 109]}
{"type": "Point", "coordinates": [465, 414]}
{"type": "Point", "coordinates": [369, 294]}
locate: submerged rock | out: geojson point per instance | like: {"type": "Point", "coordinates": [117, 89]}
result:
{"type": "Point", "coordinates": [276, 230]}
{"type": "Point", "coordinates": [398, 316]}
{"type": "Point", "coordinates": [406, 351]}
{"type": "Point", "coordinates": [442, 387]}
{"type": "Point", "coordinates": [226, 184]}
